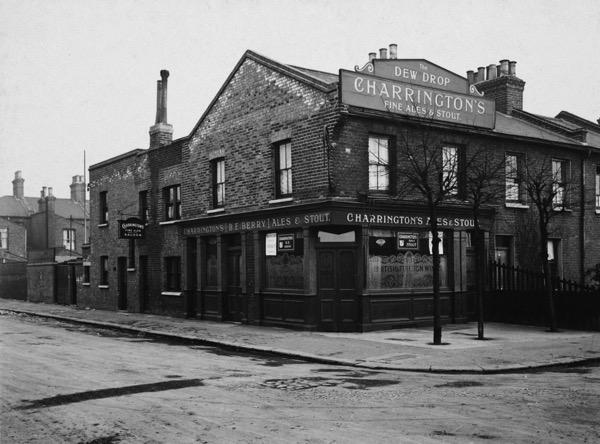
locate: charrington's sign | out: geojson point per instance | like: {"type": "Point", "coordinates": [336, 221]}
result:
{"type": "Point", "coordinates": [132, 228]}
{"type": "Point", "coordinates": [416, 88]}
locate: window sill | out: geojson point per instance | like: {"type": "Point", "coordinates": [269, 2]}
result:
{"type": "Point", "coordinates": [86, 284]}
{"type": "Point", "coordinates": [105, 224]}
{"type": "Point", "coordinates": [131, 269]}
{"type": "Point", "coordinates": [103, 286]}
{"type": "Point", "coordinates": [171, 293]}
{"type": "Point", "coordinates": [598, 211]}
{"type": "Point", "coordinates": [516, 205]}
{"type": "Point", "coordinates": [216, 210]}
{"type": "Point", "coordinates": [282, 200]}
{"type": "Point", "coordinates": [169, 222]}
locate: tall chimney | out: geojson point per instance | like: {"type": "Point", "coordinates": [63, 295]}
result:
{"type": "Point", "coordinates": [42, 201]}
{"type": "Point", "coordinates": [78, 189]}
{"type": "Point", "coordinates": [18, 185]}
{"type": "Point", "coordinates": [161, 133]}
{"type": "Point", "coordinates": [50, 219]}
{"type": "Point", "coordinates": [505, 89]}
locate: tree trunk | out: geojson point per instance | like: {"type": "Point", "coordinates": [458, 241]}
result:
{"type": "Point", "coordinates": [548, 290]}
{"type": "Point", "coordinates": [479, 268]}
{"type": "Point", "coordinates": [437, 312]}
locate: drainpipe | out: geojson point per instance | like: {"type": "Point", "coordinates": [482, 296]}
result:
{"type": "Point", "coordinates": [582, 233]}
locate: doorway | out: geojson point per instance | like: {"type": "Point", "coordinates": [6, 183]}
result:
{"type": "Point", "coordinates": [144, 285]}
{"type": "Point", "coordinates": [122, 283]}
{"type": "Point", "coordinates": [336, 289]}
{"type": "Point", "coordinates": [232, 301]}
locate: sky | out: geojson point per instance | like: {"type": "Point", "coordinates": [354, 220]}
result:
{"type": "Point", "coordinates": [78, 78]}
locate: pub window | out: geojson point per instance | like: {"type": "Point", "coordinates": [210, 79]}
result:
{"type": "Point", "coordinates": [144, 211]}
{"type": "Point", "coordinates": [103, 270]}
{"type": "Point", "coordinates": [403, 259]}
{"type": "Point", "coordinates": [218, 182]}
{"type": "Point", "coordinates": [514, 189]}
{"type": "Point", "coordinates": [559, 183]}
{"type": "Point", "coordinates": [172, 196]}
{"type": "Point", "coordinates": [597, 187]}
{"type": "Point", "coordinates": [3, 238]}
{"type": "Point", "coordinates": [284, 263]}
{"type": "Point", "coordinates": [212, 262]}
{"type": "Point", "coordinates": [103, 207]}
{"type": "Point", "coordinates": [450, 170]}
{"type": "Point", "coordinates": [69, 239]}
{"type": "Point", "coordinates": [283, 169]}
{"type": "Point", "coordinates": [172, 273]}
{"type": "Point", "coordinates": [379, 163]}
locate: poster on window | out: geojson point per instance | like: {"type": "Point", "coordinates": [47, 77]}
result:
{"type": "Point", "coordinates": [408, 241]}
{"type": "Point", "coordinates": [271, 244]}
{"type": "Point", "coordinates": [404, 270]}
{"type": "Point", "coordinates": [285, 242]}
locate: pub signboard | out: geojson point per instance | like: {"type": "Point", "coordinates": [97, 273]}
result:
{"type": "Point", "coordinates": [132, 228]}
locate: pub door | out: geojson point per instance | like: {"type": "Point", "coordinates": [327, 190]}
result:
{"type": "Point", "coordinates": [336, 289]}
{"type": "Point", "coordinates": [122, 283]}
{"type": "Point", "coordinates": [232, 310]}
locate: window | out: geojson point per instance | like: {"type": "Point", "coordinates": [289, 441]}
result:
{"type": "Point", "coordinates": [559, 182]}
{"type": "Point", "coordinates": [450, 169]}
{"type": "Point", "coordinates": [143, 206]}
{"type": "Point", "coordinates": [285, 268]}
{"type": "Point", "coordinates": [3, 238]}
{"type": "Point", "coordinates": [86, 274]}
{"type": "Point", "coordinates": [554, 255]}
{"type": "Point", "coordinates": [379, 164]}
{"type": "Point", "coordinates": [172, 274]}
{"type": "Point", "coordinates": [69, 239]}
{"type": "Point", "coordinates": [597, 187]}
{"type": "Point", "coordinates": [283, 169]}
{"type": "Point", "coordinates": [173, 202]}
{"type": "Point", "coordinates": [103, 208]}
{"type": "Point", "coordinates": [513, 177]}
{"type": "Point", "coordinates": [218, 177]}
{"type": "Point", "coordinates": [103, 270]}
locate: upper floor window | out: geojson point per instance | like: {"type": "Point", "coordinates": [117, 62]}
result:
{"type": "Point", "coordinates": [3, 238]}
{"type": "Point", "coordinates": [69, 239]}
{"type": "Point", "coordinates": [559, 182]}
{"type": "Point", "coordinates": [450, 169]}
{"type": "Point", "coordinates": [172, 202]}
{"type": "Point", "coordinates": [103, 207]}
{"type": "Point", "coordinates": [597, 187]}
{"type": "Point", "coordinates": [283, 169]}
{"type": "Point", "coordinates": [218, 178]}
{"type": "Point", "coordinates": [513, 177]}
{"type": "Point", "coordinates": [379, 163]}
{"type": "Point", "coordinates": [172, 273]}
{"type": "Point", "coordinates": [143, 206]}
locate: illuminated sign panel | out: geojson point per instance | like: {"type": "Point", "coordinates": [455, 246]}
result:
{"type": "Point", "coordinates": [407, 88]}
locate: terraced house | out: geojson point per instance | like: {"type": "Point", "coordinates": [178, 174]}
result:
{"type": "Point", "coordinates": [295, 201]}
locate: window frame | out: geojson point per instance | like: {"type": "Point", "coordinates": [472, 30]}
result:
{"type": "Point", "coordinates": [172, 280]}
{"type": "Point", "coordinates": [283, 172]}
{"type": "Point", "coordinates": [514, 173]}
{"type": "Point", "coordinates": [457, 182]}
{"type": "Point", "coordinates": [4, 235]}
{"type": "Point", "coordinates": [104, 270]}
{"type": "Point", "coordinates": [172, 201]}
{"type": "Point", "coordinates": [70, 238]}
{"type": "Point", "coordinates": [562, 201]}
{"type": "Point", "coordinates": [218, 182]}
{"type": "Point", "coordinates": [377, 166]}
{"type": "Point", "coordinates": [103, 200]}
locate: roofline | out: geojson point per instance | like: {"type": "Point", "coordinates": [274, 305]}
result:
{"type": "Point", "coordinates": [287, 70]}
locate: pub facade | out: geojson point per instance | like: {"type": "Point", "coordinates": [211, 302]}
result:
{"type": "Point", "coordinates": [288, 203]}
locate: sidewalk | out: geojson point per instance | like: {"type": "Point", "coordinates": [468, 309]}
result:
{"type": "Point", "coordinates": [506, 348]}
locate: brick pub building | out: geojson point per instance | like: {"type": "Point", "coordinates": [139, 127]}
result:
{"type": "Point", "coordinates": [285, 205]}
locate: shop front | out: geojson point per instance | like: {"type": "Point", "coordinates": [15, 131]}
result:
{"type": "Point", "coordinates": [329, 267]}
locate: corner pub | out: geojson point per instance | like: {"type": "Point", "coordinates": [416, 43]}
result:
{"type": "Point", "coordinates": [283, 206]}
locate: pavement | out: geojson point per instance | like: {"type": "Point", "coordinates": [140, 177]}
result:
{"type": "Point", "coordinates": [506, 347]}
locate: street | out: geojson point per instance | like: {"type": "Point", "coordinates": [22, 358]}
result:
{"type": "Point", "coordinates": [66, 383]}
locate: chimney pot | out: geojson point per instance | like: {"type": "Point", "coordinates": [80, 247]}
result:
{"type": "Point", "coordinates": [18, 188]}
{"type": "Point", "coordinates": [470, 77]}
{"type": "Point", "coordinates": [481, 74]}
{"type": "Point", "coordinates": [503, 68]}
{"type": "Point", "coordinates": [158, 101]}
{"type": "Point", "coordinates": [383, 53]}
{"type": "Point", "coordinates": [372, 55]}
{"type": "Point", "coordinates": [512, 68]}
{"type": "Point", "coordinates": [491, 72]}
{"type": "Point", "coordinates": [50, 192]}
{"type": "Point", "coordinates": [393, 51]}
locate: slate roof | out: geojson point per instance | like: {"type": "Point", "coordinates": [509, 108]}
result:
{"type": "Point", "coordinates": [12, 207]}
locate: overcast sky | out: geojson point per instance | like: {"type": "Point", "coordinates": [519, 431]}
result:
{"type": "Point", "coordinates": [80, 76]}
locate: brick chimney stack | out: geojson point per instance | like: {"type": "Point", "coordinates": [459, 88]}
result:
{"type": "Point", "coordinates": [501, 85]}
{"type": "Point", "coordinates": [50, 219]}
{"type": "Point", "coordinates": [78, 189]}
{"type": "Point", "coordinates": [161, 133]}
{"type": "Point", "coordinates": [18, 185]}
{"type": "Point", "coordinates": [42, 201]}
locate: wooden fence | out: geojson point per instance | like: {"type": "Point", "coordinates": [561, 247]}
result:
{"type": "Point", "coordinates": [517, 296]}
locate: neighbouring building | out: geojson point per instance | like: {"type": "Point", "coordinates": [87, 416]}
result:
{"type": "Point", "coordinates": [287, 204]}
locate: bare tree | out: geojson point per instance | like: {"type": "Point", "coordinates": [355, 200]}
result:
{"type": "Point", "coordinates": [547, 184]}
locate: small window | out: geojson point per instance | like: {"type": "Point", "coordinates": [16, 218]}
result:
{"type": "Point", "coordinates": [144, 211]}
{"type": "Point", "coordinates": [513, 177]}
{"type": "Point", "coordinates": [597, 187]}
{"type": "Point", "coordinates": [86, 274]}
{"type": "Point", "coordinates": [379, 164]}
{"type": "Point", "coordinates": [3, 238]}
{"type": "Point", "coordinates": [172, 274]}
{"type": "Point", "coordinates": [450, 170]}
{"type": "Point", "coordinates": [559, 183]}
{"type": "Point", "coordinates": [103, 270]}
{"type": "Point", "coordinates": [218, 177]}
{"type": "Point", "coordinates": [69, 239]}
{"type": "Point", "coordinates": [172, 202]}
{"type": "Point", "coordinates": [103, 208]}
{"type": "Point", "coordinates": [284, 169]}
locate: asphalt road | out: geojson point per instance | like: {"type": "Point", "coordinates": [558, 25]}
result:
{"type": "Point", "coordinates": [62, 383]}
